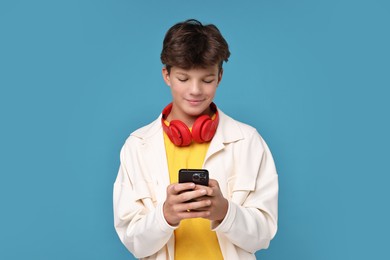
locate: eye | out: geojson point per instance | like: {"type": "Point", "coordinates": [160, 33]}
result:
{"type": "Point", "coordinates": [208, 81]}
{"type": "Point", "coordinates": [182, 79]}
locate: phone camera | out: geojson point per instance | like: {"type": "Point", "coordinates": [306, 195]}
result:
{"type": "Point", "coordinates": [195, 176]}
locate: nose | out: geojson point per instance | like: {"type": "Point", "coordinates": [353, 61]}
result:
{"type": "Point", "coordinates": [196, 88]}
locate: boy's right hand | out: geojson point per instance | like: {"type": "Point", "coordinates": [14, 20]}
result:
{"type": "Point", "coordinates": [177, 206]}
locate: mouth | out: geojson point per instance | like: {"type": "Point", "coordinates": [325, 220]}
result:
{"type": "Point", "coordinates": [194, 102]}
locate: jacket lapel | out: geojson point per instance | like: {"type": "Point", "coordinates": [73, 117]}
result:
{"type": "Point", "coordinates": [154, 156]}
{"type": "Point", "coordinates": [227, 132]}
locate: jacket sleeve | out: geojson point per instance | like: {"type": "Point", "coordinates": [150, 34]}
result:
{"type": "Point", "coordinates": [251, 220]}
{"type": "Point", "coordinates": [140, 224]}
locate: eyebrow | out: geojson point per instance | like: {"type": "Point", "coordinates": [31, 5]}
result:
{"type": "Point", "coordinates": [185, 74]}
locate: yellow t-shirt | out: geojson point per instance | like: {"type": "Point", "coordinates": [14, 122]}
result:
{"type": "Point", "coordinates": [194, 238]}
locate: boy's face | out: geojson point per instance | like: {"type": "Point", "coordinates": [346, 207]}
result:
{"type": "Point", "coordinates": [192, 90]}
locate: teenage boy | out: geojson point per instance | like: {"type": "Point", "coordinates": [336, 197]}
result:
{"type": "Point", "coordinates": [236, 214]}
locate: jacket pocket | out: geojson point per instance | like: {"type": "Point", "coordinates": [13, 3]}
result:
{"type": "Point", "coordinates": [239, 187]}
{"type": "Point", "coordinates": [144, 191]}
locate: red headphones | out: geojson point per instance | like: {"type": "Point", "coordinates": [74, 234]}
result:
{"type": "Point", "coordinates": [203, 130]}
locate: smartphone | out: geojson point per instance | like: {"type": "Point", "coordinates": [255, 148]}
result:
{"type": "Point", "coordinates": [197, 176]}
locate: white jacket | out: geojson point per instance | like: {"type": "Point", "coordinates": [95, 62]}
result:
{"type": "Point", "coordinates": [238, 158]}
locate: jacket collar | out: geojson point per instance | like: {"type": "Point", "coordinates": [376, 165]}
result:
{"type": "Point", "coordinates": [228, 131]}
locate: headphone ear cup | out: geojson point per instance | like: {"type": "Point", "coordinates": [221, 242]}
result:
{"type": "Point", "coordinates": [208, 130]}
{"type": "Point", "coordinates": [179, 133]}
{"type": "Point", "coordinates": [201, 129]}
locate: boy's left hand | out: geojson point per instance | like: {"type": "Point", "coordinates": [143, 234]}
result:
{"type": "Point", "coordinates": [219, 205]}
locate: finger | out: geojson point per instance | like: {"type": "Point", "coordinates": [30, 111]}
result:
{"type": "Point", "coordinates": [192, 195]}
{"type": "Point", "coordinates": [201, 198]}
{"type": "Point", "coordinates": [209, 190]}
{"type": "Point", "coordinates": [180, 187]}
{"type": "Point", "coordinates": [213, 183]}
{"type": "Point", "coordinates": [207, 208]}
{"type": "Point", "coordinates": [194, 214]}
{"type": "Point", "coordinates": [214, 188]}
{"type": "Point", "coordinates": [192, 205]}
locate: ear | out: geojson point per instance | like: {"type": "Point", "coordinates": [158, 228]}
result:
{"type": "Point", "coordinates": [220, 75]}
{"type": "Point", "coordinates": [166, 77]}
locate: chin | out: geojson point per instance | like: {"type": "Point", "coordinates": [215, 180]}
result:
{"type": "Point", "coordinates": [197, 111]}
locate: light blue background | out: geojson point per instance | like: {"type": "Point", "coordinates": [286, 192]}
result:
{"type": "Point", "coordinates": [77, 77]}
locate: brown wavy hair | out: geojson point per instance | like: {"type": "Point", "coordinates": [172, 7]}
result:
{"type": "Point", "coordinates": [190, 44]}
